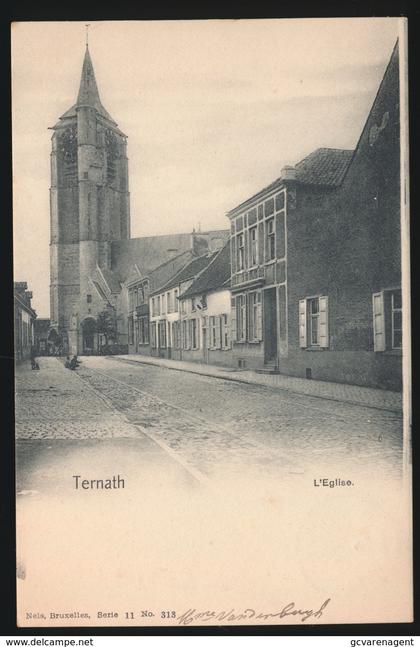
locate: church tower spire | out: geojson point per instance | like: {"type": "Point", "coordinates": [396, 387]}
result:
{"type": "Point", "coordinates": [88, 90]}
{"type": "Point", "coordinates": [89, 208]}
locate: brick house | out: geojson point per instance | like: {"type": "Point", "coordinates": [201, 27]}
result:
{"type": "Point", "coordinates": [24, 317]}
{"type": "Point", "coordinates": [316, 284]}
{"type": "Point", "coordinates": [205, 314]}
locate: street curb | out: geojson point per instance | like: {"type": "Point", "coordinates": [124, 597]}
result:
{"type": "Point", "coordinates": [267, 386]}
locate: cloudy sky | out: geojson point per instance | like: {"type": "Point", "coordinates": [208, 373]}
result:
{"type": "Point", "coordinates": [212, 109]}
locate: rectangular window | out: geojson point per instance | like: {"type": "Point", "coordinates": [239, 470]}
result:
{"type": "Point", "coordinates": [194, 334]}
{"type": "Point", "coordinates": [153, 334]}
{"type": "Point", "coordinates": [130, 330]}
{"type": "Point", "coordinates": [224, 322]}
{"type": "Point", "coordinates": [193, 305]}
{"type": "Point", "coordinates": [143, 331]}
{"type": "Point", "coordinates": [203, 301]}
{"type": "Point", "coordinates": [254, 316]}
{"type": "Point", "coordinates": [269, 207]}
{"type": "Point", "coordinates": [176, 335]}
{"type": "Point", "coordinates": [162, 334]}
{"type": "Point", "coordinates": [156, 306]}
{"type": "Point", "coordinates": [176, 307]}
{"type": "Point", "coordinates": [270, 240]}
{"type": "Point", "coordinates": [168, 302]}
{"type": "Point", "coordinates": [313, 322]}
{"type": "Point", "coordinates": [387, 320]}
{"type": "Point", "coordinates": [253, 246]}
{"type": "Point", "coordinates": [280, 201]}
{"type": "Point", "coordinates": [240, 250]}
{"type": "Point", "coordinates": [185, 335]}
{"type": "Point", "coordinates": [214, 332]}
{"type": "Point", "coordinates": [240, 317]}
{"type": "Point", "coordinates": [89, 298]}
{"type": "Point", "coordinates": [163, 304]}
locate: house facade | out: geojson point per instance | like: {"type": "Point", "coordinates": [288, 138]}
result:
{"type": "Point", "coordinates": [167, 337]}
{"type": "Point", "coordinates": [206, 314]}
{"type": "Point", "coordinates": [316, 270]}
{"type": "Point", "coordinates": [139, 289]}
{"type": "Point", "coordinates": [24, 318]}
{"type": "Point", "coordinates": [351, 244]}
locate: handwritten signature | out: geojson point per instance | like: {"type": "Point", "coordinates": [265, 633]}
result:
{"type": "Point", "coordinates": [250, 614]}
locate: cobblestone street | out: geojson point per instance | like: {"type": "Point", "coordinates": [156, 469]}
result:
{"type": "Point", "coordinates": [217, 474]}
{"type": "Point", "coordinates": [210, 425]}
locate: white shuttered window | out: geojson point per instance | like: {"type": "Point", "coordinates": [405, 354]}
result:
{"type": "Point", "coordinates": [313, 322]}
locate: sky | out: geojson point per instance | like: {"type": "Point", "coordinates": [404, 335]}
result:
{"type": "Point", "coordinates": [213, 110]}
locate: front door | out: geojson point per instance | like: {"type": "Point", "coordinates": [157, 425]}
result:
{"type": "Point", "coordinates": [270, 325]}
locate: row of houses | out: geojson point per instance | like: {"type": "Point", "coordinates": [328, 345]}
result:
{"type": "Point", "coordinates": [307, 282]}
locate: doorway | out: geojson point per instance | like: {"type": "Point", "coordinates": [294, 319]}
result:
{"type": "Point", "coordinates": [270, 325]}
{"type": "Point", "coordinates": [89, 334]}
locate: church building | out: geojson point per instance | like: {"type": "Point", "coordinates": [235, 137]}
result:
{"type": "Point", "coordinates": [91, 252]}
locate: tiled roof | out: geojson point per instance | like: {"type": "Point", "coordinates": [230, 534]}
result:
{"type": "Point", "coordinates": [214, 276]}
{"type": "Point", "coordinates": [164, 273]}
{"type": "Point", "coordinates": [325, 167]}
{"type": "Point", "coordinates": [189, 271]}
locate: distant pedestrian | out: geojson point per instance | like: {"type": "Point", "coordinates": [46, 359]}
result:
{"type": "Point", "coordinates": [74, 363]}
{"type": "Point", "coordinates": [67, 363]}
{"type": "Point", "coordinates": [34, 364]}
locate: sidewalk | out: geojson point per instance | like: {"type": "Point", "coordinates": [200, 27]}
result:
{"type": "Point", "coordinates": [360, 395]}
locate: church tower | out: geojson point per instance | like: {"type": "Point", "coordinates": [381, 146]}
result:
{"type": "Point", "coordinates": [89, 208]}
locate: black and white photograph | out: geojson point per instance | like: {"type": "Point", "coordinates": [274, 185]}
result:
{"type": "Point", "coordinates": [212, 322]}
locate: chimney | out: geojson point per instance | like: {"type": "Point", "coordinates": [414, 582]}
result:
{"type": "Point", "coordinates": [288, 173]}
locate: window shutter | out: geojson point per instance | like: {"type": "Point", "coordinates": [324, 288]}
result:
{"type": "Point", "coordinates": [258, 323]}
{"type": "Point", "coordinates": [323, 322]}
{"type": "Point", "coordinates": [228, 331]}
{"type": "Point", "coordinates": [189, 335]}
{"type": "Point", "coordinates": [218, 323]}
{"type": "Point", "coordinates": [302, 323]}
{"type": "Point", "coordinates": [233, 320]}
{"type": "Point", "coordinates": [378, 322]}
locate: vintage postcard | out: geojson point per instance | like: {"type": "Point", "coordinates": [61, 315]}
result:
{"type": "Point", "coordinates": [212, 309]}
